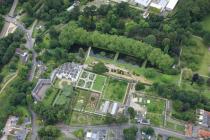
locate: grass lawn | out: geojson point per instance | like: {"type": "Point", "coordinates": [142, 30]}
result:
{"type": "Point", "coordinates": [78, 118]}
{"type": "Point", "coordinates": [99, 82]}
{"type": "Point", "coordinates": [155, 119]}
{"type": "Point", "coordinates": [67, 90]}
{"type": "Point", "coordinates": [205, 63]}
{"type": "Point", "coordinates": [115, 90]}
{"type": "Point", "coordinates": [61, 100]}
{"type": "Point", "coordinates": [156, 106]}
{"type": "Point", "coordinates": [206, 23]}
{"type": "Point", "coordinates": [50, 96]}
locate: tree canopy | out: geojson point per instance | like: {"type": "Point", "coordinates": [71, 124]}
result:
{"type": "Point", "coordinates": [73, 34]}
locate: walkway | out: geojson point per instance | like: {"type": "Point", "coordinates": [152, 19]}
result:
{"type": "Point", "coordinates": [11, 79]}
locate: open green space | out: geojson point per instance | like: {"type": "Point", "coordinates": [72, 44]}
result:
{"type": "Point", "coordinates": [155, 106]}
{"type": "Point", "coordinates": [78, 118]}
{"type": "Point", "coordinates": [99, 83]}
{"type": "Point", "coordinates": [174, 126]}
{"type": "Point", "coordinates": [115, 90]}
{"type": "Point", "coordinates": [204, 68]}
{"type": "Point", "coordinates": [155, 119]}
{"type": "Point", "coordinates": [67, 90]}
{"type": "Point", "coordinates": [206, 23]}
{"type": "Point", "coordinates": [50, 96]}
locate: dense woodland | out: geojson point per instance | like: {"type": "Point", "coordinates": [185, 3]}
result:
{"type": "Point", "coordinates": [8, 47]}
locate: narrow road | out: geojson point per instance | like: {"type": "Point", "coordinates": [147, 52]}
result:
{"type": "Point", "coordinates": [5, 85]}
{"type": "Point", "coordinates": [11, 14]}
{"type": "Point", "coordinates": [165, 132]}
{"type": "Point", "coordinates": [12, 10]}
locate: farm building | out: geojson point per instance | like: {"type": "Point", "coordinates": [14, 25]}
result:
{"type": "Point", "coordinates": [40, 88]}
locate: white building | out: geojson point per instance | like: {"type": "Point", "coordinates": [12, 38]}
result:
{"type": "Point", "coordinates": [159, 4]}
{"type": "Point", "coordinates": [114, 108]}
{"type": "Point", "coordinates": [144, 3]}
{"type": "Point", "coordinates": [69, 71]}
{"type": "Point", "coordinates": [171, 5]}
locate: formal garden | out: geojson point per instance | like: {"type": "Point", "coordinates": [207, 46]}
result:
{"type": "Point", "coordinates": [91, 81]}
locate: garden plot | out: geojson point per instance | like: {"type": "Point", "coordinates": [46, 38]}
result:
{"type": "Point", "coordinates": [87, 101]}
{"type": "Point", "coordinates": [91, 81]}
{"type": "Point", "coordinates": [154, 109]}
{"type": "Point", "coordinates": [115, 90]}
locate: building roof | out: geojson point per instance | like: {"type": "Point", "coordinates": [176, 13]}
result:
{"type": "Point", "coordinates": [203, 133]}
{"type": "Point", "coordinates": [159, 4]}
{"type": "Point", "coordinates": [114, 108]}
{"type": "Point", "coordinates": [144, 3]}
{"type": "Point", "coordinates": [171, 4]}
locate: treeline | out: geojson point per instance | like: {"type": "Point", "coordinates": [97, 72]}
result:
{"type": "Point", "coordinates": [5, 6]}
{"type": "Point", "coordinates": [185, 102]}
{"type": "Point", "coordinates": [50, 11]}
{"type": "Point", "coordinates": [16, 95]}
{"type": "Point", "coordinates": [8, 46]}
{"type": "Point", "coordinates": [1, 23]}
{"type": "Point", "coordinates": [73, 34]}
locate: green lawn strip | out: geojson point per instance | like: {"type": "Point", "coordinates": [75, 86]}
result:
{"type": "Point", "coordinates": [62, 99]}
{"type": "Point", "coordinates": [50, 97]}
{"type": "Point", "coordinates": [99, 82]}
{"type": "Point", "coordinates": [155, 119]}
{"type": "Point", "coordinates": [170, 125]}
{"type": "Point", "coordinates": [67, 90]}
{"type": "Point", "coordinates": [180, 128]}
{"type": "Point", "coordinates": [78, 118]}
{"type": "Point", "coordinates": [205, 23]}
{"type": "Point", "coordinates": [115, 90]}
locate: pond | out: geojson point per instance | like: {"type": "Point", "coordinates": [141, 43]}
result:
{"type": "Point", "coordinates": [101, 53]}
{"type": "Point", "coordinates": [123, 58]}
{"type": "Point", "coordinates": [75, 48]}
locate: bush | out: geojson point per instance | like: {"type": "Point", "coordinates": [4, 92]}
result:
{"type": "Point", "coordinates": [100, 68]}
{"type": "Point", "coordinates": [150, 73]}
{"type": "Point", "coordinates": [139, 86]}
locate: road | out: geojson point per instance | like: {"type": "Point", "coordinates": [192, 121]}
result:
{"type": "Point", "coordinates": [11, 13]}
{"type": "Point", "coordinates": [69, 129]}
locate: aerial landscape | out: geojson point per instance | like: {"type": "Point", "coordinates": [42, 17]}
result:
{"type": "Point", "coordinates": [104, 69]}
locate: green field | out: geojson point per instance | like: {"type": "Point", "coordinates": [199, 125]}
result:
{"type": "Point", "coordinates": [156, 106]}
{"type": "Point", "coordinates": [115, 90]}
{"type": "Point", "coordinates": [67, 91]}
{"type": "Point", "coordinates": [99, 83]}
{"type": "Point", "coordinates": [206, 23]}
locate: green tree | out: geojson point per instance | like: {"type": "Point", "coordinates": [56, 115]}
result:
{"type": "Point", "coordinates": [148, 130]}
{"type": "Point", "coordinates": [49, 132]}
{"type": "Point", "coordinates": [139, 86]}
{"type": "Point", "coordinates": [131, 112]}
{"type": "Point", "coordinates": [100, 68]}
{"type": "Point", "coordinates": [150, 39]}
{"type": "Point", "coordinates": [130, 133]}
